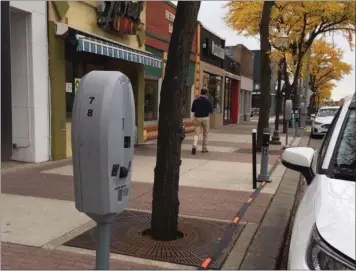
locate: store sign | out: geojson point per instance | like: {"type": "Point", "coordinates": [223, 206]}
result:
{"type": "Point", "coordinates": [121, 16]}
{"type": "Point", "coordinates": [170, 17]}
{"type": "Point", "coordinates": [217, 51]}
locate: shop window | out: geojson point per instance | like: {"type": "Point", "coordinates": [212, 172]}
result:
{"type": "Point", "coordinates": [151, 100]}
{"type": "Point", "coordinates": [186, 101]}
{"type": "Point", "coordinates": [242, 104]}
{"type": "Point", "coordinates": [213, 84]}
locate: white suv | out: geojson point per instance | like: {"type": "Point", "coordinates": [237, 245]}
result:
{"type": "Point", "coordinates": [323, 120]}
{"type": "Point", "coordinates": [323, 236]}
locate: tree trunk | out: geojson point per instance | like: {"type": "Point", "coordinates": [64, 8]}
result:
{"type": "Point", "coordinates": [265, 71]}
{"type": "Point", "coordinates": [165, 204]}
{"type": "Point", "coordinates": [287, 92]}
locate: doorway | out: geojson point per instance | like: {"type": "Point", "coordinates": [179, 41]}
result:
{"type": "Point", "coordinates": [16, 55]}
{"type": "Point", "coordinates": [6, 106]}
{"type": "Point", "coordinates": [228, 101]}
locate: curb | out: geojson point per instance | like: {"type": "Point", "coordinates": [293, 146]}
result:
{"type": "Point", "coordinates": [266, 247]}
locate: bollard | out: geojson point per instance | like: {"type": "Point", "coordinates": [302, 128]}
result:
{"type": "Point", "coordinates": [254, 158]}
{"type": "Point", "coordinates": [263, 177]}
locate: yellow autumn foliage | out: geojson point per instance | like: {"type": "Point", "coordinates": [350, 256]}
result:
{"type": "Point", "coordinates": [294, 19]}
{"type": "Point", "coordinates": [326, 67]}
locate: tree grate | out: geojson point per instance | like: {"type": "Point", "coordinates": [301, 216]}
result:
{"type": "Point", "coordinates": [200, 238]}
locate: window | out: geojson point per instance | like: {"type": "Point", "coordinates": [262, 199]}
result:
{"type": "Point", "coordinates": [186, 101]}
{"type": "Point", "coordinates": [255, 100]}
{"type": "Point", "coordinates": [213, 84]}
{"type": "Point", "coordinates": [242, 97]}
{"type": "Point", "coordinates": [326, 140]}
{"type": "Point", "coordinates": [327, 112]}
{"type": "Point", "coordinates": [344, 162]}
{"type": "Point", "coordinates": [151, 100]}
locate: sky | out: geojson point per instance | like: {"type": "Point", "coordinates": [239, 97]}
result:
{"type": "Point", "coordinates": [211, 15]}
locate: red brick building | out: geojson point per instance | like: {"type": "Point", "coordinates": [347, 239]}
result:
{"type": "Point", "coordinates": [159, 26]}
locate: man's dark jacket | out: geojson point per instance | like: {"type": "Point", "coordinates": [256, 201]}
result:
{"type": "Point", "coordinates": [202, 107]}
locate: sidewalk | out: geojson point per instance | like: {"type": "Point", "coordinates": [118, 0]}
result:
{"type": "Point", "coordinates": [39, 217]}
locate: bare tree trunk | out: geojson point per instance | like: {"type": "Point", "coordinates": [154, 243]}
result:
{"type": "Point", "coordinates": [265, 71]}
{"type": "Point", "coordinates": [165, 204]}
{"type": "Point", "coordinates": [287, 93]}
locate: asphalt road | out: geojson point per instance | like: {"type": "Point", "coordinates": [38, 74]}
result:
{"type": "Point", "coordinates": [313, 143]}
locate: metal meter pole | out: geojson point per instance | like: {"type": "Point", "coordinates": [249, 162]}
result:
{"type": "Point", "coordinates": [103, 242]}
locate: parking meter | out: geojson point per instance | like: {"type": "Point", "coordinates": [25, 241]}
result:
{"type": "Point", "coordinates": [103, 138]}
{"type": "Point", "coordinates": [264, 156]}
{"type": "Point", "coordinates": [288, 108]}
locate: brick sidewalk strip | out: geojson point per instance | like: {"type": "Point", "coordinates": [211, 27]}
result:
{"type": "Point", "coordinates": [18, 257]}
{"type": "Point", "coordinates": [266, 243]}
{"type": "Point", "coordinates": [228, 195]}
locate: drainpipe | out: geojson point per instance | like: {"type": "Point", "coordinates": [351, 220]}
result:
{"type": "Point", "coordinates": [49, 92]}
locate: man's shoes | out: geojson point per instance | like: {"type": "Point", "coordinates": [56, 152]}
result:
{"type": "Point", "coordinates": [194, 150]}
{"type": "Point", "coordinates": [205, 150]}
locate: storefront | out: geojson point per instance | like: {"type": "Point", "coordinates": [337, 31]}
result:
{"type": "Point", "coordinates": [159, 26]}
{"type": "Point", "coordinates": [231, 91]}
{"type": "Point", "coordinates": [212, 72]}
{"type": "Point", "coordinates": [245, 58]}
{"type": "Point", "coordinates": [86, 44]}
{"type": "Point", "coordinates": [25, 115]}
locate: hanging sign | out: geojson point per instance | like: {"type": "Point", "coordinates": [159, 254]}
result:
{"type": "Point", "coordinates": [76, 84]}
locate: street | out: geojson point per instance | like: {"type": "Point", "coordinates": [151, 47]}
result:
{"type": "Point", "coordinates": [174, 135]}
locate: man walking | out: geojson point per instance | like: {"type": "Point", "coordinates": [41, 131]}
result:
{"type": "Point", "coordinates": [201, 108]}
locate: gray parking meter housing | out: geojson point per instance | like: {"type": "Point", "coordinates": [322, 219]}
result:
{"type": "Point", "coordinates": [288, 108]}
{"type": "Point", "coordinates": [103, 138]}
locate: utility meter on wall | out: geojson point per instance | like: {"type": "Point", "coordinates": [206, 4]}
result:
{"type": "Point", "coordinates": [103, 138]}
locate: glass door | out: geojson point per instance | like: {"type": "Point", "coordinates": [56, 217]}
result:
{"type": "Point", "coordinates": [228, 101]}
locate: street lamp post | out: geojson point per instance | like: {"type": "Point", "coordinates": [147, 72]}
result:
{"type": "Point", "coordinates": [275, 140]}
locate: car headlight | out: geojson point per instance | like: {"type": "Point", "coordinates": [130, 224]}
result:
{"type": "Point", "coordinates": [318, 123]}
{"type": "Point", "coordinates": [321, 256]}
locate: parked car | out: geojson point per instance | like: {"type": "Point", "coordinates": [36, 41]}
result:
{"type": "Point", "coordinates": [322, 120]}
{"type": "Point", "coordinates": [323, 234]}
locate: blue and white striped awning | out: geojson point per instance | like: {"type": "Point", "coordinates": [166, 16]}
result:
{"type": "Point", "coordinates": [100, 47]}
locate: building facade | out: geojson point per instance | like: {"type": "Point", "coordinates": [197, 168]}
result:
{"type": "Point", "coordinates": [160, 16]}
{"type": "Point", "coordinates": [84, 36]}
{"type": "Point", "coordinates": [212, 55]}
{"type": "Point", "coordinates": [25, 110]}
{"type": "Point", "coordinates": [231, 95]}
{"type": "Point", "coordinates": [245, 57]}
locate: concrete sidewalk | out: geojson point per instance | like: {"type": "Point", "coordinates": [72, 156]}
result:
{"type": "Point", "coordinates": [38, 210]}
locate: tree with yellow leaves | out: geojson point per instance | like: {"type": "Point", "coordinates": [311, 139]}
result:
{"type": "Point", "coordinates": [326, 67]}
{"type": "Point", "coordinates": [300, 22]}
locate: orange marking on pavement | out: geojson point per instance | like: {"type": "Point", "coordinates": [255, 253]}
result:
{"type": "Point", "coordinates": [236, 219]}
{"type": "Point", "coordinates": [206, 263]}
{"type": "Point", "coordinates": [249, 200]}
